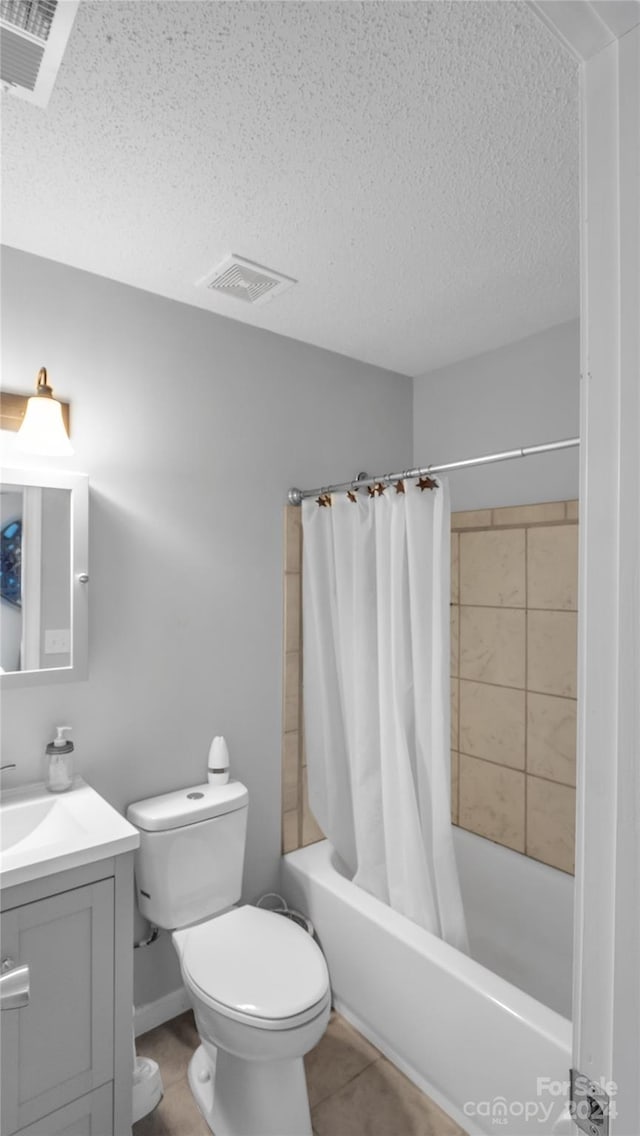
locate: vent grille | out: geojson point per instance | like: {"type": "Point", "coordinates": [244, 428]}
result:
{"type": "Point", "coordinates": [243, 280]}
{"type": "Point", "coordinates": [33, 37]}
{"type": "Point", "coordinates": [20, 60]}
{"type": "Point", "coordinates": [32, 16]}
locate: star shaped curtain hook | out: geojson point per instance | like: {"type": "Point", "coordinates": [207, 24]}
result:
{"type": "Point", "coordinates": [379, 488]}
{"type": "Point", "coordinates": [324, 500]}
{"type": "Point", "coordinates": [351, 495]}
{"type": "Point", "coordinates": [399, 486]}
{"type": "Point", "coordinates": [371, 490]}
{"type": "Point", "coordinates": [427, 483]}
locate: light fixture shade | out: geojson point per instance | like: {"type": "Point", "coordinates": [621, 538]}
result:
{"type": "Point", "coordinates": [42, 431]}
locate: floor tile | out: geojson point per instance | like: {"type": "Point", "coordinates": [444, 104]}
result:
{"type": "Point", "coordinates": [381, 1101]}
{"type": "Point", "coordinates": [176, 1115]}
{"type": "Point", "coordinates": [171, 1045]}
{"type": "Point", "coordinates": [338, 1058]}
{"type": "Point", "coordinates": [353, 1091]}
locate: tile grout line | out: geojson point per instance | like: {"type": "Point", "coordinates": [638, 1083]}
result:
{"type": "Point", "coordinates": [509, 525]}
{"type": "Point", "coordinates": [335, 1092]}
{"type": "Point", "coordinates": [458, 677]}
{"type": "Point", "coordinates": [519, 689]}
{"type": "Point", "coordinates": [516, 769]}
{"type": "Point", "coordinates": [526, 688]}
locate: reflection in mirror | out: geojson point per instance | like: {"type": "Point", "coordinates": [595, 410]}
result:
{"type": "Point", "coordinates": [35, 591]}
{"type": "Point", "coordinates": [43, 576]}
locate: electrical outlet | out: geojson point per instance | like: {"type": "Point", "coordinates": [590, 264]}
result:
{"type": "Point", "coordinates": [57, 642]}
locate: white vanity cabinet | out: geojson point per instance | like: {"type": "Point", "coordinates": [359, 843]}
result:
{"type": "Point", "coordinates": [67, 1054]}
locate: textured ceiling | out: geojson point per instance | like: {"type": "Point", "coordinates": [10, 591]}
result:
{"type": "Point", "coordinates": [413, 165]}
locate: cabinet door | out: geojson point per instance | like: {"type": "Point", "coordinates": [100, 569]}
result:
{"type": "Point", "coordinates": [90, 1116]}
{"type": "Point", "coordinates": [60, 1046]}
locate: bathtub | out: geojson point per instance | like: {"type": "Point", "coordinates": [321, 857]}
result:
{"type": "Point", "coordinates": [488, 1037]}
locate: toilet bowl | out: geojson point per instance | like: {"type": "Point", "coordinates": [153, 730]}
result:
{"type": "Point", "coordinates": [259, 988]}
{"type": "Point", "coordinates": [258, 983]}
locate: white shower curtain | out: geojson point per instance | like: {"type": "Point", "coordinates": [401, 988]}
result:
{"type": "Point", "coordinates": [376, 694]}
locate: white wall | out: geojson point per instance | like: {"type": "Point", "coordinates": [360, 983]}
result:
{"type": "Point", "coordinates": [521, 394]}
{"type": "Point", "coordinates": [191, 428]}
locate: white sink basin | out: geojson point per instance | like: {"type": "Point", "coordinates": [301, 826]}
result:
{"type": "Point", "coordinates": [42, 833]}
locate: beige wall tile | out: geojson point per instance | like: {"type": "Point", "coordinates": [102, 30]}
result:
{"type": "Point", "coordinates": [492, 723]}
{"type": "Point", "coordinates": [292, 538]}
{"type": "Point", "coordinates": [292, 611]}
{"type": "Point", "coordinates": [455, 701]}
{"type": "Point", "coordinates": [290, 839]}
{"type": "Point", "coordinates": [471, 519]}
{"type": "Point", "coordinates": [455, 774]}
{"type": "Point", "coordinates": [552, 652]}
{"type": "Point", "coordinates": [455, 568]}
{"type": "Point", "coordinates": [491, 801]}
{"type": "Point", "coordinates": [455, 629]}
{"type": "Point", "coordinates": [290, 770]}
{"type": "Point", "coordinates": [492, 568]}
{"type": "Point", "coordinates": [492, 645]}
{"type": "Point", "coordinates": [291, 692]}
{"type": "Point", "coordinates": [529, 514]}
{"type": "Point", "coordinates": [311, 831]}
{"type": "Point", "coordinates": [572, 510]}
{"type": "Point", "coordinates": [552, 560]}
{"type": "Point", "coordinates": [551, 823]}
{"type": "Point", "coordinates": [551, 737]}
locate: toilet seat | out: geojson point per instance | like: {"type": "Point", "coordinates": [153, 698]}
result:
{"type": "Point", "coordinates": [255, 967]}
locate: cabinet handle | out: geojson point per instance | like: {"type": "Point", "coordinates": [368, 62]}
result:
{"type": "Point", "coordinates": [14, 985]}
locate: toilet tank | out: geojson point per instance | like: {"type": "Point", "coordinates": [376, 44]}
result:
{"type": "Point", "coordinates": [191, 855]}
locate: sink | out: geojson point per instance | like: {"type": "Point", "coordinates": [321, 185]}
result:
{"type": "Point", "coordinates": [42, 833]}
{"type": "Point", "coordinates": [40, 821]}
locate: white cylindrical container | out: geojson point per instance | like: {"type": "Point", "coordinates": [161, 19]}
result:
{"type": "Point", "coordinates": [218, 763]}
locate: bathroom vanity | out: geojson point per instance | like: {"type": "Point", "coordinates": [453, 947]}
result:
{"type": "Point", "coordinates": [67, 934]}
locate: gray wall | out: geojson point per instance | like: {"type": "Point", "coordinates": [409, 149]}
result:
{"type": "Point", "coordinates": [191, 428]}
{"type": "Point", "coordinates": [522, 394]}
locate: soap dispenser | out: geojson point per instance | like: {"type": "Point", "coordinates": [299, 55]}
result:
{"type": "Point", "coordinates": [59, 776]}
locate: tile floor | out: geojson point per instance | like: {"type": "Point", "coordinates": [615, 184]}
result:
{"type": "Point", "coordinates": [353, 1089]}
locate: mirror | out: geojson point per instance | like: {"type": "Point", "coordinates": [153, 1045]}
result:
{"type": "Point", "coordinates": [43, 576]}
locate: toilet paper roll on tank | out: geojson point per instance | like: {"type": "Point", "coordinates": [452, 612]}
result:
{"type": "Point", "coordinates": [218, 763]}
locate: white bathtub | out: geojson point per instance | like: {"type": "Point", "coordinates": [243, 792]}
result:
{"type": "Point", "coordinates": [466, 1034]}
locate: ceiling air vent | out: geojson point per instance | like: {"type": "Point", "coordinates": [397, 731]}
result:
{"type": "Point", "coordinates": [243, 280]}
{"type": "Point", "coordinates": [33, 36]}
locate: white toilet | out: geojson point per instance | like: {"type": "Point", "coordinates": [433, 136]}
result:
{"type": "Point", "coordinates": [258, 983]}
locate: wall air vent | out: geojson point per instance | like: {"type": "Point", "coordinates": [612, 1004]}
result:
{"type": "Point", "coordinates": [33, 37]}
{"type": "Point", "coordinates": [243, 280]}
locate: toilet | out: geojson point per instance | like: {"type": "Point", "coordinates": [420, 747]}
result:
{"type": "Point", "coordinates": [258, 983]}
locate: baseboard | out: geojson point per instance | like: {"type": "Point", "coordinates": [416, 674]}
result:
{"type": "Point", "coordinates": [154, 1014]}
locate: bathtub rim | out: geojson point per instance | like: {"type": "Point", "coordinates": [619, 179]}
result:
{"type": "Point", "coordinates": [317, 861]}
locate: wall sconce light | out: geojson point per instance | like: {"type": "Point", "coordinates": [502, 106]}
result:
{"type": "Point", "coordinates": [42, 421]}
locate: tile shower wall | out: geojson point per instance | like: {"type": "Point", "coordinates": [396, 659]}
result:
{"type": "Point", "coordinates": [513, 677]}
{"type": "Point", "coordinates": [513, 680]}
{"type": "Point", "coordinates": [299, 826]}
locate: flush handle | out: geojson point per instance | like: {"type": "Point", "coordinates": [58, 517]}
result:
{"type": "Point", "coordinates": [14, 985]}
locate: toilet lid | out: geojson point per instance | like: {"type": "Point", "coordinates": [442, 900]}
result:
{"type": "Point", "coordinates": [255, 963]}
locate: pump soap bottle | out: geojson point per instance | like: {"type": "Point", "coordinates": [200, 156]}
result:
{"type": "Point", "coordinates": [59, 776]}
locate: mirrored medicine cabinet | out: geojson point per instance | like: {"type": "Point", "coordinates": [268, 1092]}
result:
{"type": "Point", "coordinates": [44, 578]}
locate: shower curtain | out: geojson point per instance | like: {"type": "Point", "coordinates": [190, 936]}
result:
{"type": "Point", "coordinates": [376, 569]}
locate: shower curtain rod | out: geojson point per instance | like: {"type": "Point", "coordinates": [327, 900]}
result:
{"type": "Point", "coordinates": [296, 496]}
